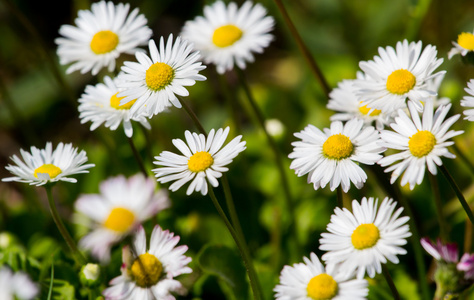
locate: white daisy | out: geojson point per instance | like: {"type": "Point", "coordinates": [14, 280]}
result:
{"type": "Point", "coordinates": [310, 280]}
{"type": "Point", "coordinates": [228, 35]}
{"type": "Point", "coordinates": [16, 286]}
{"type": "Point", "coordinates": [422, 142]}
{"type": "Point", "coordinates": [121, 206]}
{"type": "Point", "coordinates": [42, 166]}
{"type": "Point", "coordinates": [100, 104]}
{"type": "Point", "coordinates": [155, 81]}
{"type": "Point", "coordinates": [366, 238]}
{"type": "Point", "coordinates": [468, 101]}
{"type": "Point", "coordinates": [149, 274]}
{"type": "Point", "coordinates": [463, 45]}
{"type": "Point", "coordinates": [398, 74]}
{"type": "Point", "coordinates": [201, 158]}
{"type": "Point", "coordinates": [101, 35]}
{"type": "Point", "coordinates": [333, 155]}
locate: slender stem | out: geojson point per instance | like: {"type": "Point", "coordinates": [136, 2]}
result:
{"type": "Point", "coordinates": [340, 197]}
{"type": "Point", "coordinates": [231, 208]}
{"type": "Point", "coordinates": [458, 192]}
{"type": "Point", "coordinates": [244, 252]}
{"type": "Point", "coordinates": [137, 156]}
{"type": "Point", "coordinates": [439, 208]}
{"type": "Point", "coordinates": [193, 116]}
{"type": "Point", "coordinates": [389, 280]}
{"type": "Point", "coordinates": [304, 49]}
{"type": "Point", "coordinates": [463, 156]}
{"type": "Point", "coordinates": [62, 229]}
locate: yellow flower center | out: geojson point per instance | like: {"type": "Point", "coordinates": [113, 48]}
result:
{"type": "Point", "coordinates": [146, 270]}
{"type": "Point", "coordinates": [365, 236]}
{"type": "Point", "coordinates": [115, 102]}
{"type": "Point", "coordinates": [50, 169]}
{"type": "Point", "coordinates": [338, 146]}
{"type": "Point", "coordinates": [400, 82]}
{"type": "Point", "coordinates": [158, 76]}
{"type": "Point", "coordinates": [200, 161]}
{"type": "Point", "coordinates": [421, 143]}
{"type": "Point", "coordinates": [104, 41]}
{"type": "Point", "coordinates": [120, 219]}
{"type": "Point", "coordinates": [226, 35]}
{"type": "Point", "coordinates": [466, 40]}
{"type": "Point", "coordinates": [365, 110]}
{"type": "Point", "coordinates": [322, 287]}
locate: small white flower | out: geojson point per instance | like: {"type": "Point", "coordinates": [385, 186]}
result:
{"type": "Point", "coordinates": [468, 101]}
{"type": "Point", "coordinates": [366, 238]}
{"type": "Point", "coordinates": [228, 35]}
{"type": "Point", "coordinates": [148, 272]}
{"type": "Point", "coordinates": [101, 35]}
{"type": "Point", "coordinates": [45, 165]}
{"type": "Point", "coordinates": [202, 158]}
{"type": "Point", "coordinates": [310, 280]}
{"type": "Point", "coordinates": [122, 205]}
{"type": "Point", "coordinates": [16, 285]}
{"type": "Point", "coordinates": [333, 155]}
{"type": "Point", "coordinates": [463, 45]}
{"type": "Point", "coordinates": [422, 143]}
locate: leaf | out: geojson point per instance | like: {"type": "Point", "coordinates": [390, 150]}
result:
{"type": "Point", "coordinates": [227, 265]}
{"type": "Point", "coordinates": [50, 292]}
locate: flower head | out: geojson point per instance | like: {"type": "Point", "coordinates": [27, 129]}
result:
{"type": "Point", "coordinates": [440, 251]}
{"type": "Point", "coordinates": [16, 285]}
{"type": "Point", "coordinates": [463, 45]}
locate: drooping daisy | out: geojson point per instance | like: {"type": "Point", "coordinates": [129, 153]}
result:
{"type": "Point", "coordinates": [422, 142]}
{"type": "Point", "coordinates": [366, 238]}
{"type": "Point", "coordinates": [333, 155]}
{"type": "Point", "coordinates": [42, 166]}
{"type": "Point", "coordinates": [202, 158]}
{"type": "Point", "coordinates": [310, 280]}
{"type": "Point", "coordinates": [121, 206]}
{"type": "Point", "coordinates": [155, 81]}
{"type": "Point", "coordinates": [398, 74]}
{"type": "Point", "coordinates": [463, 45]}
{"type": "Point", "coordinates": [228, 35]}
{"type": "Point", "coordinates": [101, 36]}
{"type": "Point", "coordinates": [99, 104]}
{"type": "Point", "coordinates": [468, 101]}
{"type": "Point", "coordinates": [16, 285]}
{"type": "Point", "coordinates": [149, 272]}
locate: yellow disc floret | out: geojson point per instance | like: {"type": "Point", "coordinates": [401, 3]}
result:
{"type": "Point", "coordinates": [158, 76]}
{"type": "Point", "coordinates": [337, 146]}
{"type": "Point", "coordinates": [365, 236]}
{"type": "Point", "coordinates": [365, 110]}
{"type": "Point", "coordinates": [200, 161]}
{"type": "Point", "coordinates": [120, 219]}
{"type": "Point", "coordinates": [466, 40]}
{"type": "Point", "coordinates": [146, 270]}
{"type": "Point", "coordinates": [104, 41]}
{"type": "Point", "coordinates": [49, 169]}
{"type": "Point", "coordinates": [226, 35]}
{"type": "Point", "coordinates": [115, 102]}
{"type": "Point", "coordinates": [421, 143]}
{"type": "Point", "coordinates": [400, 82]}
{"type": "Point", "coordinates": [322, 287]}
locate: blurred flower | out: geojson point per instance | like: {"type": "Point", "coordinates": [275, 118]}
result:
{"type": "Point", "coordinates": [101, 35]}
{"type": "Point", "coordinates": [42, 166]}
{"type": "Point", "coordinates": [366, 238]}
{"type": "Point", "coordinates": [468, 101]}
{"type": "Point", "coordinates": [422, 142]}
{"type": "Point", "coordinates": [122, 205]}
{"type": "Point", "coordinates": [463, 45]}
{"type": "Point", "coordinates": [153, 82]}
{"type": "Point", "coordinates": [466, 265]}
{"type": "Point", "coordinates": [90, 275]}
{"type": "Point", "coordinates": [100, 104]}
{"type": "Point", "coordinates": [202, 158]}
{"type": "Point", "coordinates": [229, 35]}
{"type": "Point", "coordinates": [16, 285]}
{"type": "Point", "coordinates": [446, 252]}
{"type": "Point", "coordinates": [333, 156]}
{"type": "Point", "coordinates": [149, 274]}
{"type": "Point", "coordinates": [275, 127]}
{"type": "Point", "coordinates": [397, 74]}
{"type": "Point", "coordinates": [310, 280]}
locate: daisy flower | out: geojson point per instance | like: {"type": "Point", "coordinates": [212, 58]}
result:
{"type": "Point", "coordinates": [16, 285]}
{"type": "Point", "coordinates": [228, 35]}
{"type": "Point", "coordinates": [100, 36]}
{"type": "Point", "coordinates": [422, 143]}
{"type": "Point", "coordinates": [202, 158]}
{"type": "Point", "coordinates": [361, 240]}
{"type": "Point", "coordinates": [121, 206]}
{"type": "Point", "coordinates": [463, 45]}
{"type": "Point", "coordinates": [333, 155]}
{"type": "Point", "coordinates": [99, 104]}
{"type": "Point", "coordinates": [153, 82]}
{"type": "Point", "coordinates": [440, 251]}
{"type": "Point", "coordinates": [148, 272]}
{"type": "Point", "coordinates": [42, 166]}
{"type": "Point", "coordinates": [310, 280]}
{"type": "Point", "coordinates": [398, 74]}
{"type": "Point", "coordinates": [468, 101]}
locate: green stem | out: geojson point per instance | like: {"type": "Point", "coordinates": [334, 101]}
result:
{"type": "Point", "coordinates": [243, 249]}
{"type": "Point", "coordinates": [439, 207]}
{"type": "Point", "coordinates": [231, 207]}
{"type": "Point", "coordinates": [390, 283]}
{"type": "Point", "coordinates": [193, 116]}
{"type": "Point", "coordinates": [62, 229]}
{"type": "Point", "coordinates": [137, 156]}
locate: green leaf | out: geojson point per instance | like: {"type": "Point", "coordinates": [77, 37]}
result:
{"type": "Point", "coordinates": [227, 265]}
{"type": "Point", "coordinates": [50, 292]}
{"type": "Point", "coordinates": [62, 290]}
